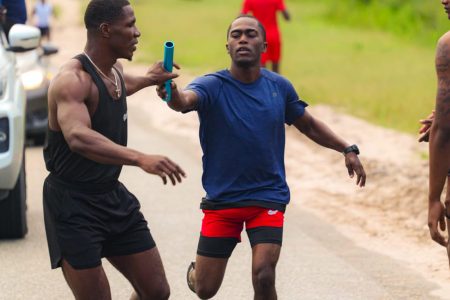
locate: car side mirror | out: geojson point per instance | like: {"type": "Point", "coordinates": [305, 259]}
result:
{"type": "Point", "coordinates": [23, 38]}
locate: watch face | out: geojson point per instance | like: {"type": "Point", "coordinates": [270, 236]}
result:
{"type": "Point", "coordinates": [352, 148]}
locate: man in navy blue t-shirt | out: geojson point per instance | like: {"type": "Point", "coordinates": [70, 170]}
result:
{"type": "Point", "coordinates": [243, 112]}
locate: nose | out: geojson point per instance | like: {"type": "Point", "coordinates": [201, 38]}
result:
{"type": "Point", "coordinates": [137, 33]}
{"type": "Point", "coordinates": [242, 39]}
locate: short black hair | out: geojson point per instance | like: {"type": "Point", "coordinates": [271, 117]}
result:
{"type": "Point", "coordinates": [103, 11]}
{"type": "Point", "coordinates": [260, 25]}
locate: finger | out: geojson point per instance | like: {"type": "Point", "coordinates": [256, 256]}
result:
{"type": "Point", "coordinates": [173, 75]}
{"type": "Point", "coordinates": [350, 170]}
{"type": "Point", "coordinates": [174, 169]}
{"type": "Point", "coordinates": [442, 222]}
{"type": "Point", "coordinates": [436, 236]}
{"type": "Point", "coordinates": [172, 179]}
{"type": "Point", "coordinates": [177, 66]}
{"type": "Point", "coordinates": [163, 177]}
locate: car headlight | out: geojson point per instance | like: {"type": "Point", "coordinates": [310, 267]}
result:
{"type": "Point", "coordinates": [32, 79]}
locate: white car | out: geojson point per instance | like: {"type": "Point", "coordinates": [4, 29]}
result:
{"type": "Point", "coordinates": [12, 131]}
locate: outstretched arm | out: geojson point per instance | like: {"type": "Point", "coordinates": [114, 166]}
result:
{"type": "Point", "coordinates": [68, 94]}
{"type": "Point", "coordinates": [440, 142]}
{"type": "Point", "coordinates": [155, 75]}
{"type": "Point", "coordinates": [182, 100]}
{"type": "Point", "coordinates": [320, 133]}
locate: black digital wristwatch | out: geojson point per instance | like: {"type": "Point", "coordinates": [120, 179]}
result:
{"type": "Point", "coordinates": [352, 148]}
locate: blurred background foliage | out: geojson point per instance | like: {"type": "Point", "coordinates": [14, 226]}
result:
{"type": "Point", "coordinates": [370, 58]}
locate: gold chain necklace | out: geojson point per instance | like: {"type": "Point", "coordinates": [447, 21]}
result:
{"type": "Point", "coordinates": [114, 82]}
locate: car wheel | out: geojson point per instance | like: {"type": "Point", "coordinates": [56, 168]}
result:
{"type": "Point", "coordinates": [13, 222]}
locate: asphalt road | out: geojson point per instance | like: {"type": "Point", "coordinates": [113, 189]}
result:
{"type": "Point", "coordinates": [316, 262]}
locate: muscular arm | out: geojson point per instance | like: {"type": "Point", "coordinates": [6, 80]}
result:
{"type": "Point", "coordinates": [320, 133]}
{"type": "Point", "coordinates": [68, 96]}
{"type": "Point", "coordinates": [69, 92]}
{"type": "Point", "coordinates": [440, 129]}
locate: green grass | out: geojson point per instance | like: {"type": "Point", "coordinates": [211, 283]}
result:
{"type": "Point", "coordinates": [372, 74]}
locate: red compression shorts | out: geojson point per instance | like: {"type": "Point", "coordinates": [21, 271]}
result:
{"type": "Point", "coordinates": [230, 222]}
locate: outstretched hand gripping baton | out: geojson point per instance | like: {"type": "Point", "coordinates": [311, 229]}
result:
{"type": "Point", "coordinates": [168, 65]}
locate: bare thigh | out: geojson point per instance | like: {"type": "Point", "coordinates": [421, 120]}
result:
{"type": "Point", "coordinates": [87, 284]}
{"type": "Point", "coordinates": [145, 272]}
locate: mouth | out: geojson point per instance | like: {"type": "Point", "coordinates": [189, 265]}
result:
{"type": "Point", "coordinates": [243, 50]}
{"type": "Point", "coordinates": [133, 46]}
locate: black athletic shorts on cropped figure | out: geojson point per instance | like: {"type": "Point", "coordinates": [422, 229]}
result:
{"type": "Point", "coordinates": [88, 222]}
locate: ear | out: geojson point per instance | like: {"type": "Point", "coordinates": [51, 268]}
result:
{"type": "Point", "coordinates": [104, 30]}
{"type": "Point", "coordinates": [264, 47]}
{"type": "Point", "coordinates": [228, 48]}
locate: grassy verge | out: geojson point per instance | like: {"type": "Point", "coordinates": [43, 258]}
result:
{"type": "Point", "coordinates": [374, 75]}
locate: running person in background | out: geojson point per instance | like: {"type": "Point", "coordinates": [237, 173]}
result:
{"type": "Point", "coordinates": [440, 142]}
{"type": "Point", "coordinates": [88, 213]}
{"type": "Point", "coordinates": [42, 12]}
{"type": "Point", "coordinates": [243, 112]}
{"type": "Point", "coordinates": [266, 12]}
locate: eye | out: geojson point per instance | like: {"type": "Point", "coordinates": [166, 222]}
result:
{"type": "Point", "coordinates": [252, 33]}
{"type": "Point", "coordinates": [235, 34]}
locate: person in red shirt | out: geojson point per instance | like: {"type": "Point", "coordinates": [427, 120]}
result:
{"type": "Point", "coordinates": [266, 12]}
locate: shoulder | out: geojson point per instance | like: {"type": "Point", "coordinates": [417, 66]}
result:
{"type": "Point", "coordinates": [444, 43]}
{"type": "Point", "coordinates": [71, 80]}
{"type": "Point", "coordinates": [275, 77]}
{"type": "Point", "coordinates": [211, 79]}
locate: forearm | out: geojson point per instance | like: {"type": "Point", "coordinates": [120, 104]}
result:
{"type": "Point", "coordinates": [320, 133]}
{"type": "Point", "coordinates": [96, 147]}
{"type": "Point", "coordinates": [137, 83]}
{"type": "Point", "coordinates": [180, 100]}
{"type": "Point", "coordinates": [439, 161]}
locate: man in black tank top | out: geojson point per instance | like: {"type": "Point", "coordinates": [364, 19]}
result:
{"type": "Point", "coordinates": [88, 213]}
{"type": "Point", "coordinates": [440, 143]}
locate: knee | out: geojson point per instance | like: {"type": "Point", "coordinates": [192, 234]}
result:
{"type": "Point", "coordinates": [205, 292]}
{"type": "Point", "coordinates": [264, 278]}
{"type": "Point", "coordinates": [160, 293]}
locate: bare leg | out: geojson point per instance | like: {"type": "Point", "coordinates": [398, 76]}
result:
{"type": "Point", "coordinates": [264, 262]}
{"type": "Point", "coordinates": [145, 272]}
{"type": "Point", "coordinates": [208, 275]}
{"type": "Point", "coordinates": [87, 284]}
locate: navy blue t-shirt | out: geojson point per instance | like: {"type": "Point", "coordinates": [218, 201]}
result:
{"type": "Point", "coordinates": [242, 136]}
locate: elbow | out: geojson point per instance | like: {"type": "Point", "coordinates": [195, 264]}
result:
{"type": "Point", "coordinates": [75, 141]}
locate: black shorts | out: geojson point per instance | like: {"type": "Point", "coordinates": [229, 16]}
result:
{"type": "Point", "coordinates": [83, 227]}
{"type": "Point", "coordinates": [44, 31]}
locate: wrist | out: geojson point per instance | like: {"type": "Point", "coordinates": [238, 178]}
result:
{"type": "Point", "coordinates": [351, 149]}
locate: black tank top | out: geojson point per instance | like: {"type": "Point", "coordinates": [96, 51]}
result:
{"type": "Point", "coordinates": [109, 119]}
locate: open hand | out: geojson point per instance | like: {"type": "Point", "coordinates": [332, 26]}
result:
{"type": "Point", "coordinates": [436, 216]}
{"type": "Point", "coordinates": [354, 165]}
{"type": "Point", "coordinates": [163, 167]}
{"type": "Point", "coordinates": [425, 129]}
